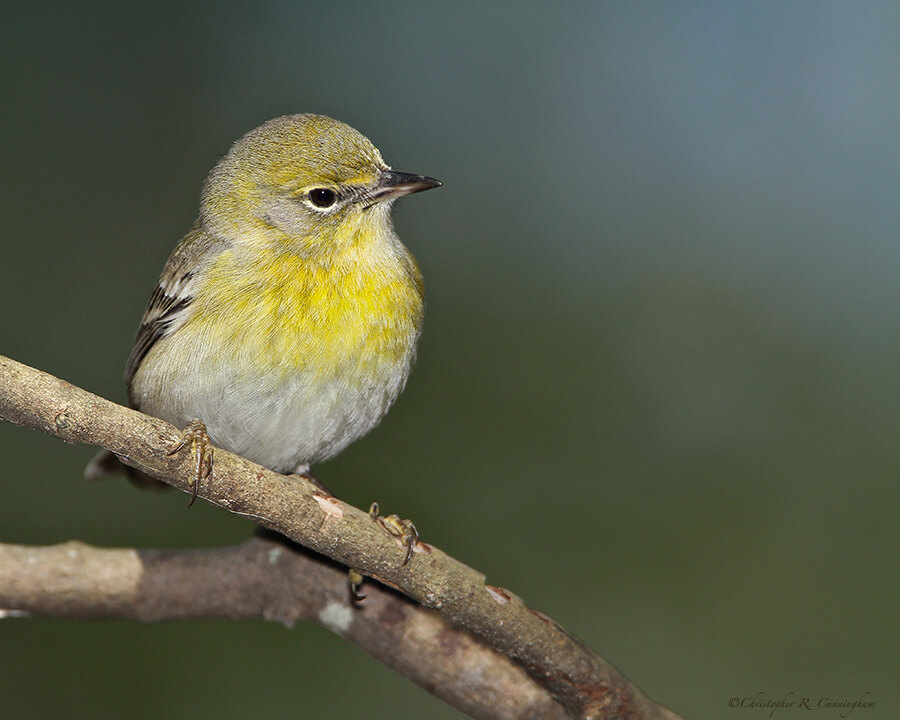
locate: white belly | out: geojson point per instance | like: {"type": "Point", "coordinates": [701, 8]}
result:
{"type": "Point", "coordinates": [283, 423]}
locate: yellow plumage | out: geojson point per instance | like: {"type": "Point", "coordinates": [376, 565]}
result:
{"type": "Point", "coordinates": [286, 320]}
{"type": "Point", "coordinates": [289, 314]}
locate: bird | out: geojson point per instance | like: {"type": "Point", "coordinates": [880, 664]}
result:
{"type": "Point", "coordinates": [284, 324]}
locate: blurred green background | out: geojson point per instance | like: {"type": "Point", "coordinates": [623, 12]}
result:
{"type": "Point", "coordinates": [657, 392]}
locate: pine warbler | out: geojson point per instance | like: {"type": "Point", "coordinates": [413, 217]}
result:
{"type": "Point", "coordinates": [284, 324]}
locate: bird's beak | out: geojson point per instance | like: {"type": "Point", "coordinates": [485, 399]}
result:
{"type": "Point", "coordinates": [395, 184]}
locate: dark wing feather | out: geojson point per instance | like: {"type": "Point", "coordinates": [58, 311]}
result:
{"type": "Point", "coordinates": [160, 314]}
{"type": "Point", "coordinates": [173, 293]}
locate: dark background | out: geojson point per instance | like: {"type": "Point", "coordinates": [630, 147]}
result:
{"type": "Point", "coordinates": [657, 392]}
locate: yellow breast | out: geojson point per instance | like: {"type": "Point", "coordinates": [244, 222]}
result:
{"type": "Point", "coordinates": [359, 313]}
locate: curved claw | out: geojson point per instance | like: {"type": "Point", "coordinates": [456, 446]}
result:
{"type": "Point", "coordinates": [412, 539]}
{"type": "Point", "coordinates": [402, 529]}
{"type": "Point", "coordinates": [195, 434]}
{"type": "Point", "coordinates": [356, 580]}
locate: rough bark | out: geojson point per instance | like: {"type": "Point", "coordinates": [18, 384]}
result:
{"type": "Point", "coordinates": [573, 675]}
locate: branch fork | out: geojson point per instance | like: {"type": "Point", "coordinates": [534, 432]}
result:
{"type": "Point", "coordinates": [532, 667]}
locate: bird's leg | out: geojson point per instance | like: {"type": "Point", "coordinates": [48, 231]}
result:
{"type": "Point", "coordinates": [396, 527]}
{"type": "Point", "coordinates": [355, 579]}
{"type": "Point", "coordinates": [304, 472]}
{"type": "Point", "coordinates": [196, 435]}
{"type": "Point", "coordinates": [399, 528]}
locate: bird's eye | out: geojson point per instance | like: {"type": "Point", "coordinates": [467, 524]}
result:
{"type": "Point", "coordinates": [322, 197]}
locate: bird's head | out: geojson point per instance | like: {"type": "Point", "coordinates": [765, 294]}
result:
{"type": "Point", "coordinates": [307, 182]}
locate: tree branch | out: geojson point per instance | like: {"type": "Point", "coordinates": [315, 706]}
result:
{"type": "Point", "coordinates": [578, 679]}
{"type": "Point", "coordinates": [269, 578]}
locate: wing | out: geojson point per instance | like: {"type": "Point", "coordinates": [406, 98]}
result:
{"type": "Point", "coordinates": [160, 315]}
{"type": "Point", "coordinates": [170, 302]}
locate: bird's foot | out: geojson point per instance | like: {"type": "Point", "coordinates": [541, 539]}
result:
{"type": "Point", "coordinates": [399, 528]}
{"type": "Point", "coordinates": [195, 434]}
{"type": "Point", "coordinates": [304, 472]}
{"type": "Point", "coordinates": [355, 579]}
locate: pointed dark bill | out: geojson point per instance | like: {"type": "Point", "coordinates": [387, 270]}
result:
{"type": "Point", "coordinates": [397, 184]}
